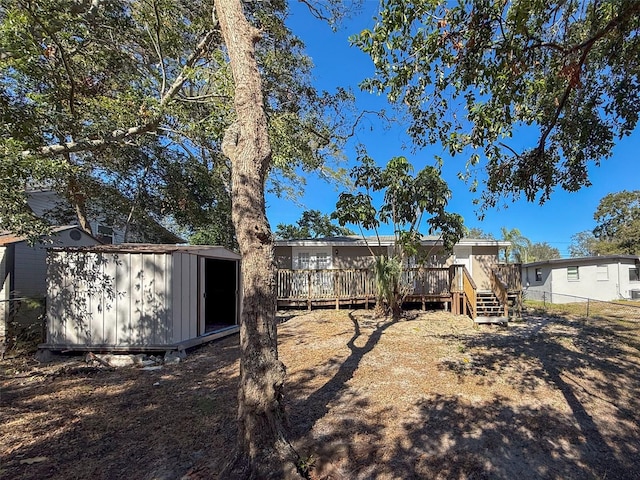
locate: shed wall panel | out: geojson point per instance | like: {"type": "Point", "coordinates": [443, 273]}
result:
{"type": "Point", "coordinates": [177, 296]}
{"type": "Point", "coordinates": [192, 295]}
{"type": "Point", "coordinates": [123, 299]}
{"type": "Point", "coordinates": [186, 304]}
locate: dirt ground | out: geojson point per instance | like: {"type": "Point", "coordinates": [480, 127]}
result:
{"type": "Point", "coordinates": [431, 396]}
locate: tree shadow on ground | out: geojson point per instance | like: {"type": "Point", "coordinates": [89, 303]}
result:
{"type": "Point", "coordinates": [595, 434]}
{"type": "Point", "coordinates": [79, 421]}
{"type": "Point", "coordinates": [311, 408]}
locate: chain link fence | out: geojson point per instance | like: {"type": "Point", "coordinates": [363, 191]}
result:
{"type": "Point", "coordinates": [561, 304]}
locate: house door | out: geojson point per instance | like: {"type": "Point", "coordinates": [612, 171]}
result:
{"type": "Point", "coordinates": [219, 294]}
{"type": "Point", "coordinates": [463, 257]}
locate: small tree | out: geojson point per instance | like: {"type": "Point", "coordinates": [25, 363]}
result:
{"type": "Point", "coordinates": [312, 224]}
{"type": "Point", "coordinates": [542, 251]}
{"type": "Point", "coordinates": [518, 251]}
{"type": "Point", "coordinates": [583, 244]}
{"type": "Point", "coordinates": [405, 202]}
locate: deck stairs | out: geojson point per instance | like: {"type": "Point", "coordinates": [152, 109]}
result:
{"type": "Point", "coordinates": [488, 308]}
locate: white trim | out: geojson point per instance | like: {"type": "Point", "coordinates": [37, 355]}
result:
{"type": "Point", "coordinates": [313, 254]}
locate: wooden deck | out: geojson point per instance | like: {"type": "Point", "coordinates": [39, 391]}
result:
{"type": "Point", "coordinates": [451, 287]}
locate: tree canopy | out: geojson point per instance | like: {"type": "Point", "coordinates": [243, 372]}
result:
{"type": "Point", "coordinates": [476, 232]}
{"type": "Point", "coordinates": [583, 244]}
{"type": "Point", "coordinates": [136, 96]}
{"type": "Point", "coordinates": [542, 251]}
{"type": "Point", "coordinates": [312, 224]}
{"type": "Point", "coordinates": [407, 201]}
{"type": "Point", "coordinates": [473, 74]}
{"type": "Point", "coordinates": [618, 223]}
{"type": "Point", "coordinates": [519, 249]}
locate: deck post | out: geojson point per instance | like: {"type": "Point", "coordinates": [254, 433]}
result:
{"type": "Point", "coordinates": [309, 290]}
{"type": "Point", "coordinates": [464, 304]}
{"type": "Point", "coordinates": [336, 289]}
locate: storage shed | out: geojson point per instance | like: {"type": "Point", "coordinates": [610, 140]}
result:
{"type": "Point", "coordinates": [140, 297]}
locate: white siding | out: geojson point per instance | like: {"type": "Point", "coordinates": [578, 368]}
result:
{"type": "Point", "coordinates": [30, 270]}
{"type": "Point", "coordinates": [599, 280]}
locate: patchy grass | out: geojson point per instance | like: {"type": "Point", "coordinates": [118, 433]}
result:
{"type": "Point", "coordinates": [431, 396]}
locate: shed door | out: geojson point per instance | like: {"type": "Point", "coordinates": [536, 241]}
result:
{"type": "Point", "coordinates": [219, 298]}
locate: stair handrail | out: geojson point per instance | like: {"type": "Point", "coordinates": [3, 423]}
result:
{"type": "Point", "coordinates": [500, 290]}
{"type": "Point", "coordinates": [469, 287]}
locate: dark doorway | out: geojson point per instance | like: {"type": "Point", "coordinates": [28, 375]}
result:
{"type": "Point", "coordinates": [220, 294]}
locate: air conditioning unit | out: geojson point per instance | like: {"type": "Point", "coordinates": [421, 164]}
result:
{"type": "Point", "coordinates": [635, 294]}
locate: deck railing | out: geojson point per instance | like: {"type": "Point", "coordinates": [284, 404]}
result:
{"type": "Point", "coordinates": [500, 289]}
{"type": "Point", "coordinates": [510, 275]}
{"type": "Point", "coordinates": [422, 284]}
{"type": "Point", "coordinates": [346, 284]}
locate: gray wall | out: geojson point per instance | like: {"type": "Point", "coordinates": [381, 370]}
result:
{"type": "Point", "coordinates": [590, 284]}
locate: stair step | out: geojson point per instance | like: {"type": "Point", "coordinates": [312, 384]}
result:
{"type": "Point", "coordinates": [486, 319]}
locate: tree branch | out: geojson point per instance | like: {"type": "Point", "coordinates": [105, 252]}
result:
{"type": "Point", "coordinates": [63, 56]}
{"type": "Point", "coordinates": [118, 135]}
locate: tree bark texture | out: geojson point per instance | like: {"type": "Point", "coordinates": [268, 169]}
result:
{"type": "Point", "coordinates": [78, 200]}
{"type": "Point", "coordinates": [263, 450]}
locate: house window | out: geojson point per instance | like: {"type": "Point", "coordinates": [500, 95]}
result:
{"type": "Point", "coordinates": [634, 274]}
{"type": "Point", "coordinates": [104, 234]}
{"type": "Point", "coordinates": [322, 261]}
{"type": "Point", "coordinates": [538, 274]}
{"type": "Point", "coordinates": [572, 274]}
{"type": "Point", "coordinates": [602, 273]}
{"type": "Point", "coordinates": [303, 260]}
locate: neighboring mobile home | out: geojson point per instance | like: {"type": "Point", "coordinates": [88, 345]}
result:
{"type": "Point", "coordinates": [338, 270]}
{"type": "Point", "coordinates": [566, 280]}
{"type": "Point", "coordinates": [137, 297]}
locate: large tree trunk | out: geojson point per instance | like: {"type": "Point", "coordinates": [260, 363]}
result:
{"type": "Point", "coordinates": [263, 450]}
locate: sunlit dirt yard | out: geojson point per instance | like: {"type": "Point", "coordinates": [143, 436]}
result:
{"type": "Point", "coordinates": [431, 396]}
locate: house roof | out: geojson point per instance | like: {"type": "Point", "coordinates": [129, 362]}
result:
{"type": "Point", "coordinates": [150, 225]}
{"type": "Point", "coordinates": [202, 250]}
{"type": "Point", "coordinates": [600, 259]}
{"type": "Point", "coordinates": [9, 238]}
{"type": "Point", "coordinates": [383, 240]}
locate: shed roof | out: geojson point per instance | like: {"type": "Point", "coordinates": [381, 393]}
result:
{"type": "Point", "coordinates": [202, 250]}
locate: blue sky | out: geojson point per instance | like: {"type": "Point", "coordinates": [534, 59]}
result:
{"type": "Point", "coordinates": [338, 64]}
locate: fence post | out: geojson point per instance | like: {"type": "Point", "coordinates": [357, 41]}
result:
{"type": "Point", "coordinates": [588, 307]}
{"type": "Point", "coordinates": [544, 300]}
